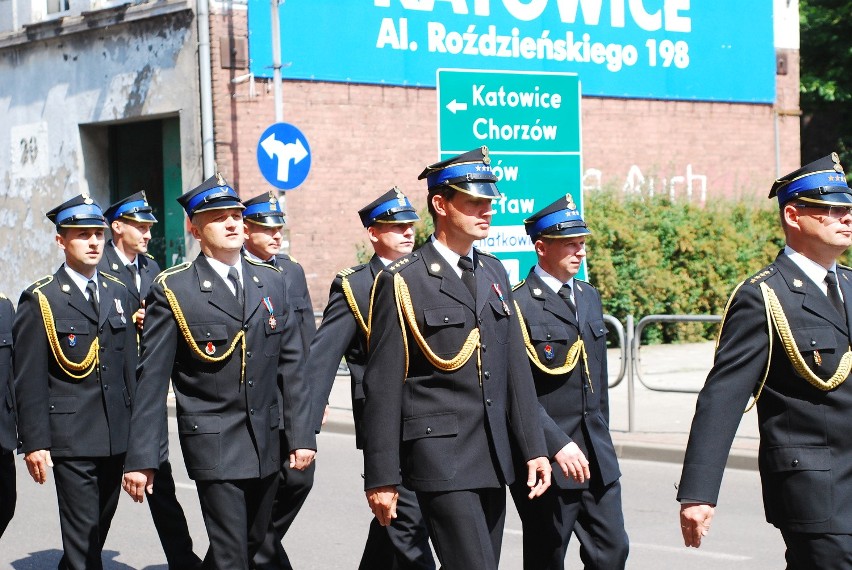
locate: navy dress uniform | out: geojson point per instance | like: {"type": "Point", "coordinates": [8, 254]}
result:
{"type": "Point", "coordinates": [229, 361]}
{"type": "Point", "coordinates": [138, 276]}
{"type": "Point", "coordinates": [74, 384]}
{"type": "Point", "coordinates": [447, 389]}
{"type": "Point", "coordinates": [566, 346]}
{"type": "Point", "coordinates": [343, 333]}
{"type": "Point", "coordinates": [293, 485]}
{"type": "Point", "coordinates": [785, 343]}
{"type": "Point", "coordinates": [8, 427]}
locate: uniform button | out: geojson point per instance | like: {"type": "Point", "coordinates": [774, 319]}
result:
{"type": "Point", "coordinates": [794, 463]}
{"type": "Point", "coordinates": [72, 328]}
{"type": "Point", "coordinates": [428, 430]}
{"type": "Point", "coordinates": [101, 329]}
{"type": "Point", "coordinates": [585, 414]}
{"type": "Point", "coordinates": [52, 407]}
{"type": "Point", "coordinates": [248, 354]}
{"type": "Point", "coordinates": [106, 386]}
{"type": "Point", "coordinates": [104, 367]}
{"type": "Point", "coordinates": [194, 427]}
{"type": "Point", "coordinates": [600, 331]}
{"type": "Point", "coordinates": [446, 319]}
{"type": "Point", "coordinates": [548, 337]}
{"type": "Point", "coordinates": [484, 347]}
{"type": "Point", "coordinates": [488, 402]}
{"type": "Point", "coordinates": [479, 320]}
{"type": "Point", "coordinates": [486, 375]}
{"type": "Point", "coordinates": [813, 342]}
{"type": "Point", "coordinates": [251, 382]}
{"type": "Point", "coordinates": [103, 348]}
{"type": "Point", "coordinates": [245, 327]}
{"type": "Point", "coordinates": [251, 411]}
{"type": "Point", "coordinates": [208, 335]}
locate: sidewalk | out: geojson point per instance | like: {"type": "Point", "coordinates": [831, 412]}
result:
{"type": "Point", "coordinates": [662, 419]}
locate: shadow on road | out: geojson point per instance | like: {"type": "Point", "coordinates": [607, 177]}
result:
{"type": "Point", "coordinates": [50, 559]}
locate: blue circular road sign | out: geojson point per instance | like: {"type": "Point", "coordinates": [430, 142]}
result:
{"type": "Point", "coordinates": [284, 156]}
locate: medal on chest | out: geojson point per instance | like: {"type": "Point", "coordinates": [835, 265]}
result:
{"type": "Point", "coordinates": [548, 352]}
{"type": "Point", "coordinates": [120, 310]}
{"type": "Point", "coordinates": [210, 349]}
{"type": "Point", "coordinates": [72, 340]}
{"type": "Point", "coordinates": [497, 290]}
{"type": "Point", "coordinates": [273, 322]}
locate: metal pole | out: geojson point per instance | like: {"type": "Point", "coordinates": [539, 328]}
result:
{"type": "Point", "coordinates": [205, 86]}
{"type": "Point", "coordinates": [276, 60]}
{"type": "Point", "coordinates": [631, 362]}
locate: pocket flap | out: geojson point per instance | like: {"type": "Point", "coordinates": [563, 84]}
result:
{"type": "Point", "coordinates": [798, 459]}
{"type": "Point", "coordinates": [74, 326]}
{"type": "Point", "coordinates": [200, 423]}
{"type": "Point", "coordinates": [444, 316]}
{"type": "Point", "coordinates": [432, 425]}
{"type": "Point", "coordinates": [5, 339]}
{"type": "Point", "coordinates": [62, 405]}
{"type": "Point", "coordinates": [597, 328]}
{"type": "Point", "coordinates": [548, 332]}
{"type": "Point", "coordinates": [209, 331]}
{"type": "Point", "coordinates": [815, 338]}
{"type": "Point", "coordinates": [274, 416]}
{"type": "Point", "coordinates": [117, 323]}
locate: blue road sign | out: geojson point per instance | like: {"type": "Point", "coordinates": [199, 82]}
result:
{"type": "Point", "coordinates": [283, 156]}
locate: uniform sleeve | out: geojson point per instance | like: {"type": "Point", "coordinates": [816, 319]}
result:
{"type": "Point", "coordinates": [336, 331]}
{"type": "Point", "coordinates": [295, 391]}
{"type": "Point", "coordinates": [384, 378]}
{"type": "Point", "coordinates": [31, 375]}
{"type": "Point", "coordinates": [131, 357]}
{"type": "Point", "coordinates": [307, 324]}
{"type": "Point", "coordinates": [159, 346]}
{"type": "Point", "coordinates": [524, 408]}
{"type": "Point", "coordinates": [739, 364]}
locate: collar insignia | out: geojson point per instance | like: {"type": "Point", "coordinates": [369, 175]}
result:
{"type": "Point", "coordinates": [435, 267]}
{"type": "Point", "coordinates": [797, 283]}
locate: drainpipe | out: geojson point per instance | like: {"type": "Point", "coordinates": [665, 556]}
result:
{"type": "Point", "coordinates": [205, 85]}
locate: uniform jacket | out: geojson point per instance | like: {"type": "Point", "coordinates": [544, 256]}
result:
{"type": "Point", "coordinates": [71, 417]}
{"type": "Point", "coordinates": [447, 430]}
{"type": "Point", "coordinates": [805, 455]}
{"type": "Point", "coordinates": [148, 270]}
{"type": "Point", "coordinates": [340, 335]}
{"type": "Point", "coordinates": [571, 409]}
{"type": "Point", "coordinates": [228, 428]}
{"type": "Point", "coordinates": [8, 431]}
{"type": "Point", "coordinates": [300, 298]}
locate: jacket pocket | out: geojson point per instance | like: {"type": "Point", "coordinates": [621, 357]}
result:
{"type": "Point", "coordinates": [200, 436]}
{"type": "Point", "coordinates": [799, 482]}
{"type": "Point", "coordinates": [430, 444]}
{"type": "Point", "coordinates": [62, 411]}
{"type": "Point", "coordinates": [212, 339]}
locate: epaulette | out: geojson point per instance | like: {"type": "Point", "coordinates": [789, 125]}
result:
{"type": "Point", "coordinates": [762, 275]}
{"type": "Point", "coordinates": [41, 282]}
{"type": "Point", "coordinates": [290, 257]}
{"type": "Point", "coordinates": [350, 270]}
{"type": "Point", "coordinates": [488, 253]}
{"type": "Point", "coordinates": [262, 264]}
{"type": "Point", "coordinates": [171, 271]}
{"type": "Point", "coordinates": [146, 254]}
{"type": "Point", "coordinates": [518, 286]}
{"type": "Point", "coordinates": [402, 262]}
{"type": "Point", "coordinates": [112, 278]}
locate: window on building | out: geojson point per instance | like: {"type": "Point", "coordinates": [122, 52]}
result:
{"type": "Point", "coordinates": [56, 6]}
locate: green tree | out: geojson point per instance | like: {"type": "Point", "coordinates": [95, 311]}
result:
{"type": "Point", "coordinates": [825, 78]}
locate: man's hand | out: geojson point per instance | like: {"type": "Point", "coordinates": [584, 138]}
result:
{"type": "Point", "coordinates": [300, 459]}
{"type": "Point", "coordinates": [573, 463]}
{"type": "Point", "coordinates": [37, 463]}
{"type": "Point", "coordinates": [538, 476]}
{"type": "Point", "coordinates": [695, 522]}
{"type": "Point", "coordinates": [382, 501]}
{"type": "Point", "coordinates": [137, 483]}
{"type": "Point", "coordinates": [139, 316]}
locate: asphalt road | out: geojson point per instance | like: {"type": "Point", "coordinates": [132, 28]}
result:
{"type": "Point", "coordinates": [331, 529]}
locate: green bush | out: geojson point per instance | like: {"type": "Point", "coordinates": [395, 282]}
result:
{"type": "Point", "coordinates": [662, 256]}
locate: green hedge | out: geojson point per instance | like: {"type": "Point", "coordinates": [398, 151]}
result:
{"type": "Point", "coordinates": [662, 256]}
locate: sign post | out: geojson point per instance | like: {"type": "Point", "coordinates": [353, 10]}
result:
{"type": "Point", "coordinates": [530, 123]}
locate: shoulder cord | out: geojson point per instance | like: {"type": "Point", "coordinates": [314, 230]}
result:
{"type": "Point", "coordinates": [84, 367]}
{"type": "Point", "coordinates": [405, 309]}
{"type": "Point", "coordinates": [779, 319]}
{"type": "Point", "coordinates": [187, 336]}
{"type": "Point", "coordinates": [353, 306]}
{"type": "Point", "coordinates": [575, 353]}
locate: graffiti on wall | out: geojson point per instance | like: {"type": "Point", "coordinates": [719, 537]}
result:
{"type": "Point", "coordinates": [685, 185]}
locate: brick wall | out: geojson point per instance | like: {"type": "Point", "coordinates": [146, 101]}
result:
{"type": "Point", "coordinates": [366, 138]}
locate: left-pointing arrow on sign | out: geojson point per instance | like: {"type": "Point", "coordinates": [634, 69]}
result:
{"type": "Point", "coordinates": [454, 106]}
{"type": "Point", "coordinates": [294, 151]}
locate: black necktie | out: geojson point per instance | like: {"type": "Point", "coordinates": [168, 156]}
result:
{"type": "Point", "coordinates": [565, 293]}
{"type": "Point", "coordinates": [834, 293]}
{"type": "Point", "coordinates": [468, 277]}
{"type": "Point", "coordinates": [93, 295]}
{"type": "Point", "coordinates": [235, 279]}
{"type": "Point", "coordinates": [134, 273]}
